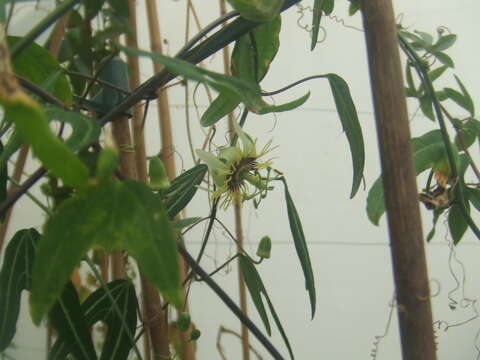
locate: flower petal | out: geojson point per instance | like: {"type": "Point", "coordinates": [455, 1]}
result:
{"type": "Point", "coordinates": [247, 141]}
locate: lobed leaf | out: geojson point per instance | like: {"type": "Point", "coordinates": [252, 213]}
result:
{"type": "Point", "coordinates": [126, 215]}
{"type": "Point", "coordinates": [15, 277]}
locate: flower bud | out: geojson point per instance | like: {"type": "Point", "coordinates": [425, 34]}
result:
{"type": "Point", "coordinates": [264, 248]}
{"type": "Point", "coordinates": [195, 334]}
{"type": "Point", "coordinates": [158, 174]}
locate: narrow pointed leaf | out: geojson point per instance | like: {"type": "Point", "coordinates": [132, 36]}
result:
{"type": "Point", "coordinates": [468, 99]}
{"type": "Point", "coordinates": [349, 119]}
{"type": "Point", "coordinates": [183, 189]}
{"type": "Point", "coordinates": [444, 59]}
{"type": "Point", "coordinates": [15, 276]}
{"type": "Point", "coordinates": [249, 92]}
{"type": "Point", "coordinates": [98, 307]}
{"type": "Point", "coordinates": [67, 317]}
{"type": "Point", "coordinates": [474, 197]}
{"type": "Point", "coordinates": [457, 223]}
{"type": "Point", "coordinates": [125, 215]}
{"type": "Point", "coordinates": [317, 16]}
{"type": "Point", "coordinates": [256, 288]}
{"type": "Point", "coordinates": [460, 99]}
{"type": "Point", "coordinates": [301, 247]}
{"type": "Point", "coordinates": [219, 108]}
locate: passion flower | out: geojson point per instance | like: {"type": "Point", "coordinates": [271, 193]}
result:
{"type": "Point", "coordinates": [235, 168]}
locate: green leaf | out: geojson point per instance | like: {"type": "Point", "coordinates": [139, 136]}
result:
{"type": "Point", "coordinates": [219, 108]}
{"type": "Point", "coordinates": [467, 133]}
{"type": "Point", "coordinates": [256, 288]}
{"type": "Point", "coordinates": [32, 124]}
{"type": "Point", "coordinates": [125, 215]}
{"type": "Point", "coordinates": [98, 307]}
{"type": "Point", "coordinates": [426, 106]}
{"type": "Point", "coordinates": [254, 52]}
{"type": "Point", "coordinates": [85, 130]}
{"type": "Point", "coordinates": [15, 276]}
{"type": "Point", "coordinates": [457, 223]}
{"type": "Point", "coordinates": [444, 59]}
{"type": "Point", "coordinates": [426, 37]}
{"type": "Point", "coordinates": [36, 64]}
{"type": "Point", "coordinates": [68, 319]}
{"type": "Point", "coordinates": [316, 18]}
{"type": "Point", "coordinates": [183, 188]}
{"type": "Point", "coordinates": [249, 92]}
{"type": "Point", "coordinates": [458, 98]}
{"type": "Point", "coordinates": [301, 247]}
{"type": "Point", "coordinates": [354, 7]}
{"type": "Point", "coordinates": [349, 119]}
{"type": "Point", "coordinates": [92, 7]}
{"type": "Point", "coordinates": [3, 183]}
{"type": "Point", "coordinates": [436, 73]}
{"type": "Point", "coordinates": [436, 216]}
{"type": "Point", "coordinates": [257, 10]}
{"type": "Point", "coordinates": [444, 43]}
{"type": "Point", "coordinates": [470, 107]}
{"type": "Point", "coordinates": [11, 147]}
{"type": "Point", "coordinates": [376, 202]}
{"type": "Point", "coordinates": [474, 197]}
{"type": "Point", "coordinates": [183, 223]}
{"type": "Point", "coordinates": [428, 150]}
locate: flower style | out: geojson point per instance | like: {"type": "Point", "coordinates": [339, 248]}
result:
{"type": "Point", "coordinates": [234, 168]}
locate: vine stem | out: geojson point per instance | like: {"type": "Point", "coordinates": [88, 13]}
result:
{"type": "Point", "coordinates": [229, 303]}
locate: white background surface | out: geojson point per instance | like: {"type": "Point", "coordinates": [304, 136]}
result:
{"type": "Point", "coordinates": [350, 256]}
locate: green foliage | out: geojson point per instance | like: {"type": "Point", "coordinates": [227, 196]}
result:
{"type": "Point", "coordinates": [116, 215]}
{"type": "Point", "coordinates": [257, 10]}
{"type": "Point", "coordinates": [256, 288]}
{"type": "Point", "coordinates": [232, 87]}
{"type": "Point", "coordinates": [32, 124]}
{"type": "Point", "coordinates": [183, 189]}
{"type": "Point", "coordinates": [319, 7]}
{"type": "Point", "coordinates": [349, 119]}
{"type": "Point", "coordinates": [36, 64]}
{"type": "Point", "coordinates": [301, 247]}
{"type": "Point", "coordinates": [15, 277]}
{"type": "Point", "coordinates": [251, 59]}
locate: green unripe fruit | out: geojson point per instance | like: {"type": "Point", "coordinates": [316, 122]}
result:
{"type": "Point", "coordinates": [264, 248]}
{"type": "Point", "coordinates": [158, 174]}
{"type": "Point", "coordinates": [106, 165]}
{"type": "Point", "coordinates": [183, 321]}
{"type": "Point", "coordinates": [195, 334]}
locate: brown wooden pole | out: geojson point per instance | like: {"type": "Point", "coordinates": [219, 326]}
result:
{"type": "Point", "coordinates": [399, 181]}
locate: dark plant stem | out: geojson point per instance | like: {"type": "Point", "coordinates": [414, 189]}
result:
{"type": "Point", "coordinates": [230, 303]}
{"type": "Point", "coordinates": [13, 197]}
{"type": "Point", "coordinates": [44, 95]}
{"type": "Point", "coordinates": [43, 25]}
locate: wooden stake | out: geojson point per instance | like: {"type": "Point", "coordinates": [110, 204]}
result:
{"type": "Point", "coordinates": [166, 135]}
{"type": "Point", "coordinates": [399, 182]}
{"type": "Point", "coordinates": [237, 210]}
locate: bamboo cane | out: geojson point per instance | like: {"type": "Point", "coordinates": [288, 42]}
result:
{"type": "Point", "coordinates": [237, 209]}
{"type": "Point", "coordinates": [399, 182]}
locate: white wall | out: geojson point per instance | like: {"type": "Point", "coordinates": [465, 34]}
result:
{"type": "Point", "coordinates": [350, 256]}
